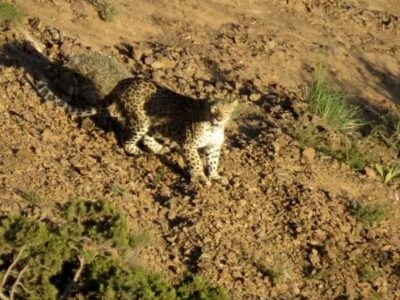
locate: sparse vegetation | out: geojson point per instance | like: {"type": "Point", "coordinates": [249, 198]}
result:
{"type": "Point", "coordinates": [107, 11]}
{"type": "Point", "coordinates": [10, 14]}
{"type": "Point", "coordinates": [104, 71]}
{"type": "Point", "coordinates": [332, 104]}
{"type": "Point", "coordinates": [195, 287]}
{"type": "Point", "coordinates": [367, 273]}
{"type": "Point", "coordinates": [348, 150]}
{"type": "Point", "coordinates": [369, 213]}
{"type": "Point", "coordinates": [276, 270]}
{"type": "Point", "coordinates": [388, 174]}
{"type": "Point", "coordinates": [83, 258]}
{"type": "Point", "coordinates": [121, 191]}
{"type": "Point", "coordinates": [142, 238]}
{"type": "Point", "coordinates": [31, 197]}
{"type": "Point", "coordinates": [320, 275]}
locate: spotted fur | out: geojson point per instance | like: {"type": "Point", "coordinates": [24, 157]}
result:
{"type": "Point", "coordinates": [43, 90]}
{"type": "Point", "coordinates": [155, 115]}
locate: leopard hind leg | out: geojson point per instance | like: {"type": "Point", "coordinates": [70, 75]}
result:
{"type": "Point", "coordinates": [137, 131]}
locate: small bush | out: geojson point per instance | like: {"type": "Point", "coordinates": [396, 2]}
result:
{"type": "Point", "coordinates": [106, 10]}
{"type": "Point", "coordinates": [10, 14]}
{"type": "Point", "coordinates": [104, 71]}
{"type": "Point", "coordinates": [332, 104]}
{"type": "Point", "coordinates": [370, 213]}
{"type": "Point", "coordinates": [276, 270]}
{"type": "Point", "coordinates": [367, 273]}
{"type": "Point", "coordinates": [82, 259]}
{"type": "Point", "coordinates": [195, 287]}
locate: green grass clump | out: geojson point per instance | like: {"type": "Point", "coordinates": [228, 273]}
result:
{"type": "Point", "coordinates": [370, 213]}
{"type": "Point", "coordinates": [276, 270]}
{"type": "Point", "coordinates": [107, 11]}
{"type": "Point", "coordinates": [10, 14]}
{"type": "Point", "coordinates": [367, 273]}
{"type": "Point", "coordinates": [354, 154]}
{"type": "Point", "coordinates": [83, 258]}
{"type": "Point", "coordinates": [104, 71]}
{"type": "Point", "coordinates": [332, 104]}
{"type": "Point", "coordinates": [195, 287]}
{"type": "Point", "coordinates": [388, 174]}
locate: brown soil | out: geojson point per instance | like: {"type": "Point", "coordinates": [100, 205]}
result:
{"type": "Point", "coordinates": [282, 228]}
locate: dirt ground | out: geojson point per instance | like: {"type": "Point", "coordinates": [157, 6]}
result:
{"type": "Point", "coordinates": [282, 228]}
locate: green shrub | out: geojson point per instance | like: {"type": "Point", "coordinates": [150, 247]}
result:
{"type": "Point", "coordinates": [82, 259]}
{"type": "Point", "coordinates": [10, 14]}
{"type": "Point", "coordinates": [332, 104]}
{"type": "Point", "coordinates": [370, 213]}
{"type": "Point", "coordinates": [104, 71]}
{"type": "Point", "coordinates": [194, 287]}
{"type": "Point", "coordinates": [367, 273]}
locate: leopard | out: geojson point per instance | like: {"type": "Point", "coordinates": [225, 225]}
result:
{"type": "Point", "coordinates": [157, 117]}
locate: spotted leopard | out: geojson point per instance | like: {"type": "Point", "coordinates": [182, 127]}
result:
{"type": "Point", "coordinates": [153, 114]}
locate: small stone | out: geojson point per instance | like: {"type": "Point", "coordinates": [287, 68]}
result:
{"type": "Point", "coordinates": [137, 54]}
{"type": "Point", "coordinates": [54, 34]}
{"type": "Point", "coordinates": [370, 172]}
{"type": "Point", "coordinates": [163, 63]}
{"type": "Point", "coordinates": [271, 45]}
{"type": "Point", "coordinates": [309, 154]}
{"type": "Point", "coordinates": [24, 153]}
{"type": "Point", "coordinates": [148, 60]}
{"type": "Point", "coordinates": [242, 202]}
{"type": "Point", "coordinates": [255, 97]}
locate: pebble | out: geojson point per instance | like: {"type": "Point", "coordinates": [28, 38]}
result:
{"type": "Point", "coordinates": [255, 97]}
{"type": "Point", "coordinates": [309, 154]}
{"type": "Point", "coordinates": [370, 172]}
{"type": "Point", "coordinates": [163, 63]}
{"type": "Point", "coordinates": [148, 60]}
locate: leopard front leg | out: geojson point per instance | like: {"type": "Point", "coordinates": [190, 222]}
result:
{"type": "Point", "coordinates": [195, 165]}
{"type": "Point", "coordinates": [213, 154]}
